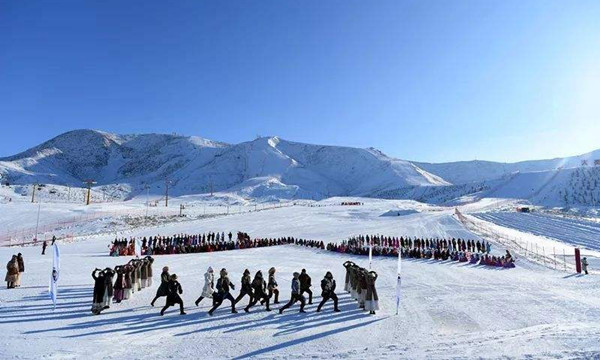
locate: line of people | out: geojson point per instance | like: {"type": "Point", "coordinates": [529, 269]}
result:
{"type": "Point", "coordinates": [474, 252]}
{"type": "Point", "coordinates": [388, 245]}
{"type": "Point", "coordinates": [131, 277]}
{"type": "Point", "coordinates": [196, 243]}
{"type": "Point", "coordinates": [258, 289]}
{"type": "Point", "coordinates": [360, 284]}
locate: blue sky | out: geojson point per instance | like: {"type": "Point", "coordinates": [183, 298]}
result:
{"type": "Point", "coordinates": [420, 80]}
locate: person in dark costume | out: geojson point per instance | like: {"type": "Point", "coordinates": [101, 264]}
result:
{"type": "Point", "coordinates": [119, 286]}
{"type": "Point", "coordinates": [12, 272]}
{"type": "Point", "coordinates": [223, 292]}
{"type": "Point", "coordinates": [259, 285]}
{"type": "Point", "coordinates": [246, 287]}
{"type": "Point", "coordinates": [347, 285]}
{"type": "Point", "coordinates": [173, 292]}
{"type": "Point", "coordinates": [99, 290]}
{"type": "Point", "coordinates": [296, 296]}
{"type": "Point", "coordinates": [128, 287]}
{"type": "Point", "coordinates": [44, 246]}
{"type": "Point", "coordinates": [108, 287]}
{"type": "Point", "coordinates": [328, 292]}
{"type": "Point", "coordinates": [305, 284]}
{"type": "Point", "coordinates": [21, 263]}
{"type": "Point", "coordinates": [272, 286]}
{"type": "Point", "coordinates": [150, 274]}
{"type": "Point", "coordinates": [163, 289]}
{"type": "Point", "coordinates": [371, 298]}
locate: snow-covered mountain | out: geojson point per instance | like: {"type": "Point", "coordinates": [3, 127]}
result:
{"type": "Point", "coordinates": [463, 172]}
{"type": "Point", "coordinates": [563, 182]}
{"type": "Point", "coordinates": [273, 168]}
{"type": "Point", "coordinates": [265, 167]}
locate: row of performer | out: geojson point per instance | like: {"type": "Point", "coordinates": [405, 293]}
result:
{"type": "Point", "coordinates": [137, 274]}
{"type": "Point", "coordinates": [185, 244]}
{"type": "Point", "coordinates": [384, 245]}
{"type": "Point", "coordinates": [130, 278]}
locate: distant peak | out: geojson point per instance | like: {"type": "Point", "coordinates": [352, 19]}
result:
{"type": "Point", "coordinates": [273, 141]}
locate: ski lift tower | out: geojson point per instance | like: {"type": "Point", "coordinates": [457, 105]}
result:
{"type": "Point", "coordinates": [88, 183]}
{"type": "Point", "coordinates": [35, 185]}
{"type": "Point", "coordinates": [167, 183]}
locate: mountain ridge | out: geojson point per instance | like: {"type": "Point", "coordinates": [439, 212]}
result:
{"type": "Point", "coordinates": [272, 167]}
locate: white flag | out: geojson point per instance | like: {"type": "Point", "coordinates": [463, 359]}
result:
{"type": "Point", "coordinates": [398, 283]}
{"type": "Point", "coordinates": [138, 247]}
{"type": "Point", "coordinates": [55, 274]}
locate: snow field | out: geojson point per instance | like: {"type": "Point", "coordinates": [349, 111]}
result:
{"type": "Point", "coordinates": [448, 309]}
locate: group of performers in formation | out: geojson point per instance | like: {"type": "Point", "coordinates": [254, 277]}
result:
{"type": "Point", "coordinates": [195, 243]}
{"type": "Point", "coordinates": [14, 271]}
{"type": "Point", "coordinates": [258, 289]}
{"type": "Point", "coordinates": [137, 274]}
{"type": "Point", "coordinates": [472, 251]}
{"type": "Point", "coordinates": [130, 278]}
{"type": "Point", "coordinates": [360, 283]}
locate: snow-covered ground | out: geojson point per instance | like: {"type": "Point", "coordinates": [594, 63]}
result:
{"type": "Point", "coordinates": [448, 310]}
{"type": "Point", "coordinates": [577, 232]}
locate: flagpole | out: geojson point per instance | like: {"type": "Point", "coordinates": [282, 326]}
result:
{"type": "Point", "coordinates": [54, 276]}
{"type": "Point", "coordinates": [399, 281]}
{"type": "Point", "coordinates": [370, 253]}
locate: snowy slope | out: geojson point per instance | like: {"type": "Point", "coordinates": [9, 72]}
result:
{"type": "Point", "coordinates": [448, 310]}
{"type": "Point", "coordinates": [268, 166]}
{"type": "Point", "coordinates": [470, 171]}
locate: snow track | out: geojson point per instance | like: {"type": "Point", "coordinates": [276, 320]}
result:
{"type": "Point", "coordinates": [576, 232]}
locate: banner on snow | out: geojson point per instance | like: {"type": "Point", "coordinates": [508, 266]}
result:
{"type": "Point", "coordinates": [399, 281]}
{"type": "Point", "coordinates": [54, 276]}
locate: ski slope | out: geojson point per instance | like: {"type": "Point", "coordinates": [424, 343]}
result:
{"type": "Point", "coordinates": [571, 231]}
{"type": "Point", "coordinates": [448, 310]}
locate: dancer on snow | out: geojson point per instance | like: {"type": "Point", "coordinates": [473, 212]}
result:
{"type": "Point", "coordinates": [223, 286]}
{"type": "Point", "coordinates": [12, 272]}
{"type": "Point", "coordinates": [138, 274]}
{"type": "Point", "coordinates": [99, 291]}
{"type": "Point", "coordinates": [127, 280]}
{"type": "Point", "coordinates": [246, 287]}
{"type": "Point", "coordinates": [347, 286]}
{"type": "Point", "coordinates": [305, 284]}
{"type": "Point", "coordinates": [21, 264]}
{"type": "Point", "coordinates": [296, 296]}
{"type": "Point", "coordinates": [328, 288]}
{"type": "Point", "coordinates": [259, 285]}
{"type": "Point", "coordinates": [119, 286]}
{"type": "Point", "coordinates": [150, 260]}
{"type": "Point", "coordinates": [371, 299]}
{"type": "Point", "coordinates": [108, 288]}
{"type": "Point", "coordinates": [143, 273]}
{"type": "Point", "coordinates": [272, 286]}
{"type": "Point", "coordinates": [208, 290]}
{"type": "Point", "coordinates": [362, 287]}
{"type": "Point", "coordinates": [163, 289]}
{"type": "Point", "coordinates": [174, 290]}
